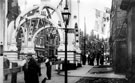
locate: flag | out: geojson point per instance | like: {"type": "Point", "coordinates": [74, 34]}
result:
{"type": "Point", "coordinates": [108, 10]}
{"type": "Point", "coordinates": [96, 26]}
{"type": "Point", "coordinates": [97, 13]}
{"type": "Point", "coordinates": [13, 10]}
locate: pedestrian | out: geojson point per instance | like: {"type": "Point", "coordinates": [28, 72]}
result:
{"type": "Point", "coordinates": [83, 58]}
{"type": "Point", "coordinates": [48, 69]}
{"type": "Point", "coordinates": [92, 56]}
{"type": "Point", "coordinates": [102, 55]}
{"type": "Point", "coordinates": [6, 64]}
{"type": "Point", "coordinates": [102, 59]}
{"type": "Point", "coordinates": [98, 53]}
{"type": "Point", "coordinates": [39, 62]}
{"type": "Point", "coordinates": [89, 58]}
{"type": "Point", "coordinates": [31, 70]}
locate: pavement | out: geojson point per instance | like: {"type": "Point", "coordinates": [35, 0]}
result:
{"type": "Point", "coordinates": [95, 71]}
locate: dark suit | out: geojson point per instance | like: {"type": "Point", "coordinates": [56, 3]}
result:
{"type": "Point", "coordinates": [48, 67]}
{"type": "Point", "coordinates": [31, 71]}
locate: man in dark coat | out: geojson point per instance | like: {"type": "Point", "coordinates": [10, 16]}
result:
{"type": "Point", "coordinates": [83, 58]}
{"type": "Point", "coordinates": [92, 57]}
{"type": "Point", "coordinates": [39, 63]}
{"type": "Point", "coordinates": [98, 53]}
{"type": "Point", "coordinates": [31, 70]}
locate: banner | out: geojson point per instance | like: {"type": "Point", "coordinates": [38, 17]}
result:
{"type": "Point", "coordinates": [97, 13]}
{"type": "Point", "coordinates": [13, 10]}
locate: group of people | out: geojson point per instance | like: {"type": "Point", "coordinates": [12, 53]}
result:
{"type": "Point", "coordinates": [96, 52]}
{"type": "Point", "coordinates": [32, 69]}
{"type": "Point", "coordinates": [31, 65]}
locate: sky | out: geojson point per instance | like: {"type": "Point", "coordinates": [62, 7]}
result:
{"type": "Point", "coordinates": [86, 10]}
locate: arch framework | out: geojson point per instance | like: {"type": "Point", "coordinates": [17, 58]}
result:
{"type": "Point", "coordinates": [43, 15]}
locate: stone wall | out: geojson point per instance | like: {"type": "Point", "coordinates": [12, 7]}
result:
{"type": "Point", "coordinates": [131, 43]}
{"type": "Point", "coordinates": [119, 42]}
{"type": "Point", "coordinates": [128, 6]}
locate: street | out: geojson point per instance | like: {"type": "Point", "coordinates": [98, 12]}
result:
{"type": "Point", "coordinates": [84, 74]}
{"type": "Point", "coordinates": [55, 77]}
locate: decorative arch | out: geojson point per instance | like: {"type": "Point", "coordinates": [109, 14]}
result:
{"type": "Point", "coordinates": [38, 8]}
{"type": "Point", "coordinates": [21, 19]}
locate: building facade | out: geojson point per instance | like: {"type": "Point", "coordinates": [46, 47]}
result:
{"type": "Point", "coordinates": [122, 38]}
{"type": "Point", "coordinates": [128, 6]}
{"type": "Point", "coordinates": [118, 38]}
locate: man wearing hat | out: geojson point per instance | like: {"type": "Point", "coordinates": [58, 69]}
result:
{"type": "Point", "coordinates": [31, 70]}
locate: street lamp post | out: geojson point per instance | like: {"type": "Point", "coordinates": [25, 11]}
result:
{"type": "Point", "coordinates": [66, 15]}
